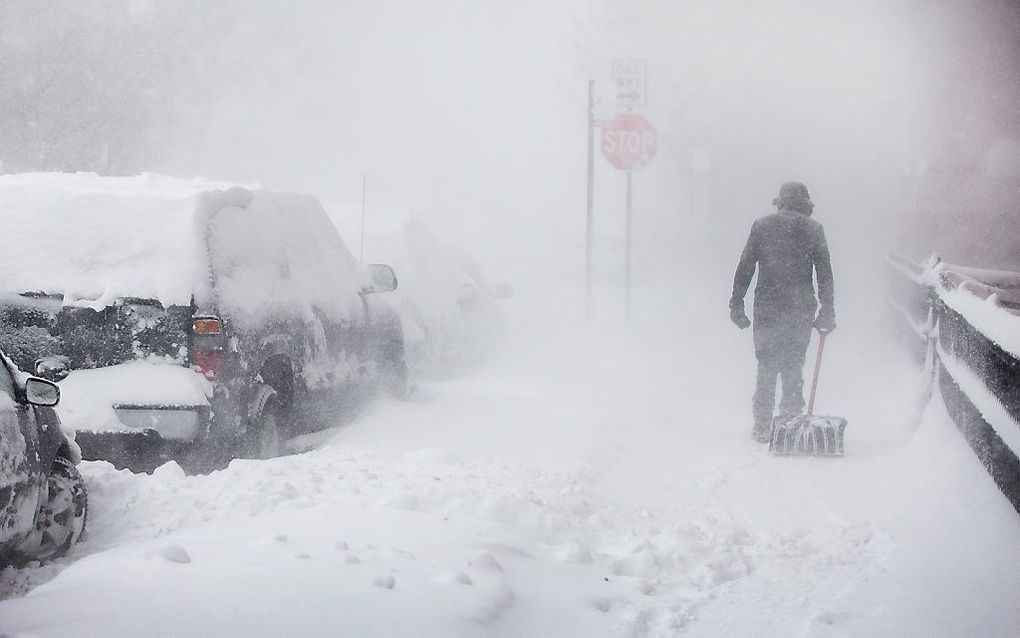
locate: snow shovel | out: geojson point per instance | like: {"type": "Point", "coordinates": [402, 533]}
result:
{"type": "Point", "coordinates": [809, 434]}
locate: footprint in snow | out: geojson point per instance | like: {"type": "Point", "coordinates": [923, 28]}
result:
{"type": "Point", "coordinates": [485, 562]}
{"type": "Point", "coordinates": [171, 554]}
{"type": "Point", "coordinates": [602, 604]}
{"type": "Point", "coordinates": [385, 582]}
{"type": "Point", "coordinates": [496, 601]}
{"type": "Point", "coordinates": [605, 604]}
{"type": "Point", "coordinates": [454, 578]}
{"type": "Point", "coordinates": [575, 552]}
{"type": "Point", "coordinates": [829, 617]}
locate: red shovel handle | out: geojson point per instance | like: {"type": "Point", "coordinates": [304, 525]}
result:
{"type": "Point", "coordinates": [814, 378]}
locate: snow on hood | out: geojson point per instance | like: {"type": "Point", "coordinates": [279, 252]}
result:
{"type": "Point", "coordinates": [93, 239]}
{"type": "Point", "coordinates": [87, 397]}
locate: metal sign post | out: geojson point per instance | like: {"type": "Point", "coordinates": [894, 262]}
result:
{"type": "Point", "coordinates": [627, 243]}
{"type": "Point", "coordinates": [590, 217]}
{"type": "Point", "coordinates": [364, 186]}
{"type": "Point", "coordinates": [629, 142]}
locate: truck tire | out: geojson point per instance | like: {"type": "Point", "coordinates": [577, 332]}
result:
{"type": "Point", "coordinates": [394, 379]}
{"type": "Point", "coordinates": [266, 425]}
{"type": "Point", "coordinates": [60, 521]}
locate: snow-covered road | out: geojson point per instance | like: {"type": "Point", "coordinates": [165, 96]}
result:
{"type": "Point", "coordinates": [614, 492]}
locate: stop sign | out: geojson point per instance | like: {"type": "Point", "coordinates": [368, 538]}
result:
{"type": "Point", "coordinates": [629, 141]}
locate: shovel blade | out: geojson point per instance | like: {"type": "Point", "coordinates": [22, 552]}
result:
{"type": "Point", "coordinates": [807, 436]}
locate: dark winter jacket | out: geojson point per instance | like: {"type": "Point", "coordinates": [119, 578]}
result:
{"type": "Point", "coordinates": [785, 246]}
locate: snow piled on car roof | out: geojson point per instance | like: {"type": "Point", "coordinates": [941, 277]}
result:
{"type": "Point", "coordinates": [92, 239]}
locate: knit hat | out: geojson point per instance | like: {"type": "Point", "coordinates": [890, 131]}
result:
{"type": "Point", "coordinates": [794, 195]}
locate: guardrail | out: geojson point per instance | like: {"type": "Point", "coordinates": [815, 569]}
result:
{"type": "Point", "coordinates": [965, 327]}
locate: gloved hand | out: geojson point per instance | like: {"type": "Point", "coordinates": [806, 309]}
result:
{"type": "Point", "coordinates": [739, 317]}
{"type": "Point", "coordinates": [825, 322]}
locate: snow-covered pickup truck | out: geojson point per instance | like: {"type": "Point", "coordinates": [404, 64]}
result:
{"type": "Point", "coordinates": [192, 320]}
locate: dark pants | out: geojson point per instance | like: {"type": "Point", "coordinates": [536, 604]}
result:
{"type": "Point", "coordinates": [780, 345]}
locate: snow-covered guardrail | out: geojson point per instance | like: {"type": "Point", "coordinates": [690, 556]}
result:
{"type": "Point", "coordinates": [967, 324]}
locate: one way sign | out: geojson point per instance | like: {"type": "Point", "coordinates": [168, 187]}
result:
{"type": "Point", "coordinates": [631, 80]}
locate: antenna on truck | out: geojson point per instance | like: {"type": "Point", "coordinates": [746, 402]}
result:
{"type": "Point", "coordinates": [364, 185]}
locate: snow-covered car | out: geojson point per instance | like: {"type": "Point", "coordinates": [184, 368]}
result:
{"type": "Point", "coordinates": [43, 500]}
{"type": "Point", "coordinates": [452, 319]}
{"type": "Point", "coordinates": [193, 320]}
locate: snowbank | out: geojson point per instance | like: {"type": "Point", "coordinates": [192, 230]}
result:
{"type": "Point", "coordinates": [422, 544]}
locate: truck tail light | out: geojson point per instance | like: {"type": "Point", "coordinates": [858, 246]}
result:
{"type": "Point", "coordinates": [206, 326]}
{"type": "Point", "coordinates": [208, 362]}
{"type": "Point", "coordinates": [207, 353]}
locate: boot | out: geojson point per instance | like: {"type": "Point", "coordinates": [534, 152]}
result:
{"type": "Point", "coordinates": [762, 432]}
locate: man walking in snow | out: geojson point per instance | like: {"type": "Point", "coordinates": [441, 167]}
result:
{"type": "Point", "coordinates": [784, 246]}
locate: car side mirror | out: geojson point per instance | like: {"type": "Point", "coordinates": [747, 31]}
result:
{"type": "Point", "coordinates": [41, 392]}
{"type": "Point", "coordinates": [381, 278]}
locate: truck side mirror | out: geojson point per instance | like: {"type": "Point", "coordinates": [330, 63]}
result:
{"type": "Point", "coordinates": [381, 278]}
